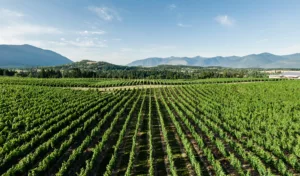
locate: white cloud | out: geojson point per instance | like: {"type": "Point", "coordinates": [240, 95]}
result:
{"type": "Point", "coordinates": [117, 39]}
{"type": "Point", "coordinates": [183, 25]}
{"type": "Point", "coordinates": [157, 48]}
{"type": "Point", "coordinates": [172, 6]}
{"type": "Point", "coordinates": [290, 49]}
{"type": "Point", "coordinates": [18, 34]}
{"type": "Point", "coordinates": [19, 41]}
{"type": "Point", "coordinates": [225, 20]}
{"type": "Point", "coordinates": [91, 32]}
{"type": "Point", "coordinates": [27, 29]}
{"type": "Point", "coordinates": [262, 40]}
{"type": "Point", "coordinates": [126, 49]}
{"type": "Point", "coordinates": [10, 13]}
{"type": "Point", "coordinates": [16, 30]}
{"type": "Point", "coordinates": [85, 42]}
{"type": "Point", "coordinates": [105, 13]}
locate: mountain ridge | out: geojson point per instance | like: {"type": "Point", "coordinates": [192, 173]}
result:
{"type": "Point", "coordinates": [261, 60]}
{"type": "Point", "coordinates": [12, 56]}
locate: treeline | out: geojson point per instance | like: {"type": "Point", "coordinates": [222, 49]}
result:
{"type": "Point", "coordinates": [5, 72]}
{"type": "Point", "coordinates": [136, 74]}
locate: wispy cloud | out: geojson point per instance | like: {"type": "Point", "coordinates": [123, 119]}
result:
{"type": "Point", "coordinates": [85, 33]}
{"type": "Point", "coordinates": [262, 40]}
{"type": "Point", "coordinates": [290, 49]}
{"type": "Point", "coordinates": [15, 29]}
{"type": "Point", "coordinates": [20, 41]}
{"type": "Point", "coordinates": [183, 25]}
{"type": "Point", "coordinates": [117, 39]}
{"type": "Point", "coordinates": [80, 42]}
{"type": "Point", "coordinates": [157, 48]}
{"type": "Point", "coordinates": [225, 20]}
{"type": "Point", "coordinates": [126, 49]}
{"type": "Point", "coordinates": [105, 13]}
{"type": "Point", "coordinates": [27, 29]}
{"type": "Point", "coordinates": [23, 33]}
{"type": "Point", "coordinates": [172, 6]}
{"type": "Point", "coordinates": [10, 13]}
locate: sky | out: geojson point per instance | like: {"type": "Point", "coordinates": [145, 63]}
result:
{"type": "Point", "coordinates": [121, 31]}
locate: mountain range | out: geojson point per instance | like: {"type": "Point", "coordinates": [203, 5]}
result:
{"type": "Point", "coordinates": [12, 56]}
{"type": "Point", "coordinates": [263, 60]}
{"type": "Point", "coordinates": [22, 56]}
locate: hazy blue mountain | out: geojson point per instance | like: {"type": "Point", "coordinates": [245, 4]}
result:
{"type": "Point", "coordinates": [29, 56]}
{"type": "Point", "coordinates": [290, 61]}
{"type": "Point", "coordinates": [263, 60]}
{"type": "Point", "coordinates": [292, 56]}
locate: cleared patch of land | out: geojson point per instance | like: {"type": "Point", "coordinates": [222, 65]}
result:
{"type": "Point", "coordinates": [145, 86]}
{"type": "Point", "coordinates": [121, 87]}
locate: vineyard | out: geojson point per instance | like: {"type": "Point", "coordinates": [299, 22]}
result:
{"type": "Point", "coordinates": [102, 82]}
{"type": "Point", "coordinates": [189, 129]}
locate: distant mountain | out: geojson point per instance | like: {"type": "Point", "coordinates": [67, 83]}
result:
{"type": "Point", "coordinates": [263, 60]}
{"type": "Point", "coordinates": [12, 56]}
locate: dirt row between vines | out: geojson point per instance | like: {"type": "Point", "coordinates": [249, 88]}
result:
{"type": "Point", "coordinates": [120, 87]}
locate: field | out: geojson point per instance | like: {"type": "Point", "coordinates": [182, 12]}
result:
{"type": "Point", "coordinates": [103, 83]}
{"type": "Point", "coordinates": [189, 129]}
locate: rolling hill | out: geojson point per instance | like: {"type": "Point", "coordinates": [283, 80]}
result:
{"type": "Point", "coordinates": [263, 60]}
{"type": "Point", "coordinates": [92, 66]}
{"type": "Point", "coordinates": [23, 56]}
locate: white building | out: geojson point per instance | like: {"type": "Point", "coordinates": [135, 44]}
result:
{"type": "Point", "coordinates": [275, 76]}
{"type": "Point", "coordinates": [287, 74]}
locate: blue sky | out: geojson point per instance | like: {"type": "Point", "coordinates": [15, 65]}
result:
{"type": "Point", "coordinates": [122, 31]}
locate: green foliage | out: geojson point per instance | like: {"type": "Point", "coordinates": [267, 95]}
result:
{"type": "Point", "coordinates": [240, 129]}
{"type": "Point", "coordinates": [91, 69]}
